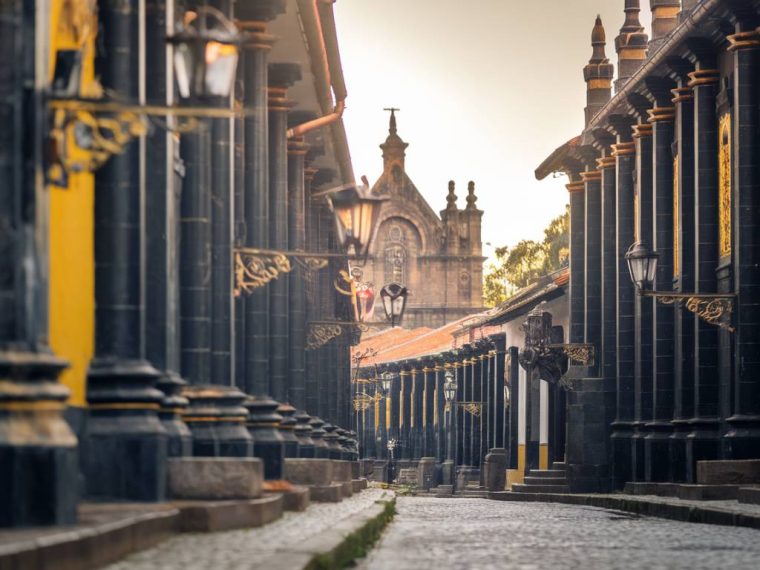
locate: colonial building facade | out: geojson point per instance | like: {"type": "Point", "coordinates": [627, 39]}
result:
{"type": "Point", "coordinates": [671, 161]}
{"type": "Point", "coordinates": [438, 259]}
{"type": "Point", "coordinates": [158, 246]}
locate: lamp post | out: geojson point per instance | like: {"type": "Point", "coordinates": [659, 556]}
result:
{"type": "Point", "coordinates": [394, 298]}
{"type": "Point", "coordinates": [386, 383]}
{"type": "Point", "coordinates": [450, 394]}
{"type": "Point", "coordinates": [710, 307]}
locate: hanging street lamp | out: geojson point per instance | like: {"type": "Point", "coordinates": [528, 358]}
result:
{"type": "Point", "coordinates": [206, 48]}
{"type": "Point", "coordinates": [394, 298]}
{"type": "Point", "coordinates": [356, 212]}
{"type": "Point", "coordinates": [714, 308]}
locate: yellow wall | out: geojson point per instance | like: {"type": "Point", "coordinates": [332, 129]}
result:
{"type": "Point", "coordinates": [543, 456]}
{"type": "Point", "coordinates": [72, 289]}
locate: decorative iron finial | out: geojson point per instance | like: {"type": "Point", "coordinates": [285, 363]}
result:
{"type": "Point", "coordinates": [471, 197]}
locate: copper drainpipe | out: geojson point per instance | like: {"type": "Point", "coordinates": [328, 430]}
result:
{"type": "Point", "coordinates": [328, 57]}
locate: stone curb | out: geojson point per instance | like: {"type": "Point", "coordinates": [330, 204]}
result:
{"type": "Point", "coordinates": [334, 547]}
{"type": "Point", "coordinates": [91, 547]}
{"type": "Point", "coordinates": [640, 506]}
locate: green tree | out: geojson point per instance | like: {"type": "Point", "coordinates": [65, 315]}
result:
{"type": "Point", "coordinates": [517, 267]}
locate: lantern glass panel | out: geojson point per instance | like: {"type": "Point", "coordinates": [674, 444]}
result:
{"type": "Point", "coordinates": [183, 69]}
{"type": "Point", "coordinates": [221, 62]}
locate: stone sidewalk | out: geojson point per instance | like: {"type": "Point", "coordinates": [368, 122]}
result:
{"type": "Point", "coordinates": [289, 542]}
{"type": "Point", "coordinates": [482, 534]}
{"type": "Point", "coordinates": [726, 512]}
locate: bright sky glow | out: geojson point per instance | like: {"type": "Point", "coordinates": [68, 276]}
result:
{"type": "Point", "coordinates": [487, 90]}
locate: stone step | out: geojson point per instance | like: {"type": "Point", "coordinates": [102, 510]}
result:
{"type": "Point", "coordinates": [547, 473]}
{"type": "Point", "coordinates": [522, 488]}
{"type": "Point", "coordinates": [749, 495]}
{"type": "Point", "coordinates": [533, 480]}
{"type": "Point", "coordinates": [559, 465]}
{"type": "Point", "coordinates": [475, 494]}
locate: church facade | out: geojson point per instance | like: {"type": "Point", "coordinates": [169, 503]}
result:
{"type": "Point", "coordinates": [438, 258]}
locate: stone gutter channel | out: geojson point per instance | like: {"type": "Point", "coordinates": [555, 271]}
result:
{"type": "Point", "coordinates": [150, 536]}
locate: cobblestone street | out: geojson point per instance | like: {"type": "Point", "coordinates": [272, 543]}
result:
{"type": "Point", "coordinates": [480, 534]}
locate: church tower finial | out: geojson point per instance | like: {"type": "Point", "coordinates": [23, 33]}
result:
{"type": "Point", "coordinates": [598, 73]}
{"type": "Point", "coordinates": [471, 197]}
{"type": "Point", "coordinates": [451, 198]}
{"type": "Point", "coordinates": [394, 150]}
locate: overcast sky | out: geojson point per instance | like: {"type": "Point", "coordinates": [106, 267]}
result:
{"type": "Point", "coordinates": [487, 89]}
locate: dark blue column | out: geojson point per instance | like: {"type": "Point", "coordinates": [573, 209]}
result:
{"type": "Point", "coordinates": [577, 261]}
{"type": "Point", "coordinates": [657, 445]}
{"type": "Point", "coordinates": [643, 306]}
{"type": "Point", "coordinates": [38, 451]}
{"type": "Point", "coordinates": [124, 453]}
{"type": "Point", "coordinates": [743, 438]}
{"type": "Point", "coordinates": [297, 242]}
{"type": "Point", "coordinates": [281, 77]}
{"type": "Point", "coordinates": [702, 441]}
{"type": "Point", "coordinates": [162, 331]}
{"type": "Point", "coordinates": [683, 277]}
{"type": "Point", "coordinates": [592, 257]}
{"type": "Point", "coordinates": [624, 151]}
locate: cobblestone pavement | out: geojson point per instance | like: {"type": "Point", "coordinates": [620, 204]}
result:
{"type": "Point", "coordinates": [242, 549]}
{"type": "Point", "coordinates": [482, 534]}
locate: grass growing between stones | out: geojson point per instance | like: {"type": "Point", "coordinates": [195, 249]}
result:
{"type": "Point", "coordinates": [357, 544]}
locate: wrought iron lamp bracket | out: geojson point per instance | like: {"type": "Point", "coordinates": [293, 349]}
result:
{"type": "Point", "coordinates": [578, 353]}
{"type": "Point", "coordinates": [710, 307]}
{"type": "Point", "coordinates": [472, 408]}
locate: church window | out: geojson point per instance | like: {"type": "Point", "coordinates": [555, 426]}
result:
{"type": "Point", "coordinates": [464, 284]}
{"type": "Point", "coordinates": [395, 256]}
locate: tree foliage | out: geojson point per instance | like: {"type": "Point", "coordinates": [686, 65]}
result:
{"type": "Point", "coordinates": [518, 266]}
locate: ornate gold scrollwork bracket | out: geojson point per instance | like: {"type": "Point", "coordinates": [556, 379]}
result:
{"type": "Point", "coordinates": [578, 353]}
{"type": "Point", "coordinates": [312, 263]}
{"type": "Point", "coordinates": [363, 401]}
{"type": "Point", "coordinates": [255, 268]}
{"type": "Point", "coordinates": [472, 408]}
{"type": "Point", "coordinates": [711, 308]}
{"type": "Point", "coordinates": [322, 332]}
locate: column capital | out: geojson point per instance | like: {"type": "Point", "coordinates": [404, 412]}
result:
{"type": "Point", "coordinates": [297, 147]}
{"type": "Point", "coordinates": [661, 114]}
{"type": "Point", "coordinates": [591, 176]}
{"type": "Point", "coordinates": [606, 162]}
{"type": "Point", "coordinates": [641, 130]}
{"type": "Point", "coordinates": [255, 36]}
{"type": "Point", "coordinates": [682, 94]}
{"type": "Point", "coordinates": [704, 77]}
{"type": "Point", "coordinates": [744, 40]}
{"type": "Point", "coordinates": [624, 148]}
{"type": "Point", "coordinates": [579, 186]}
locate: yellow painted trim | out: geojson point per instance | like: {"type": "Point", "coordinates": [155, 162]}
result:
{"type": "Point", "coordinates": [521, 463]}
{"type": "Point", "coordinates": [543, 456]}
{"type": "Point", "coordinates": [377, 415]}
{"type": "Point", "coordinates": [599, 83]}
{"type": "Point", "coordinates": [387, 413]}
{"type": "Point", "coordinates": [71, 233]}
{"type": "Point", "coordinates": [32, 406]}
{"type": "Point", "coordinates": [124, 406]}
{"type": "Point", "coordinates": [513, 477]}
